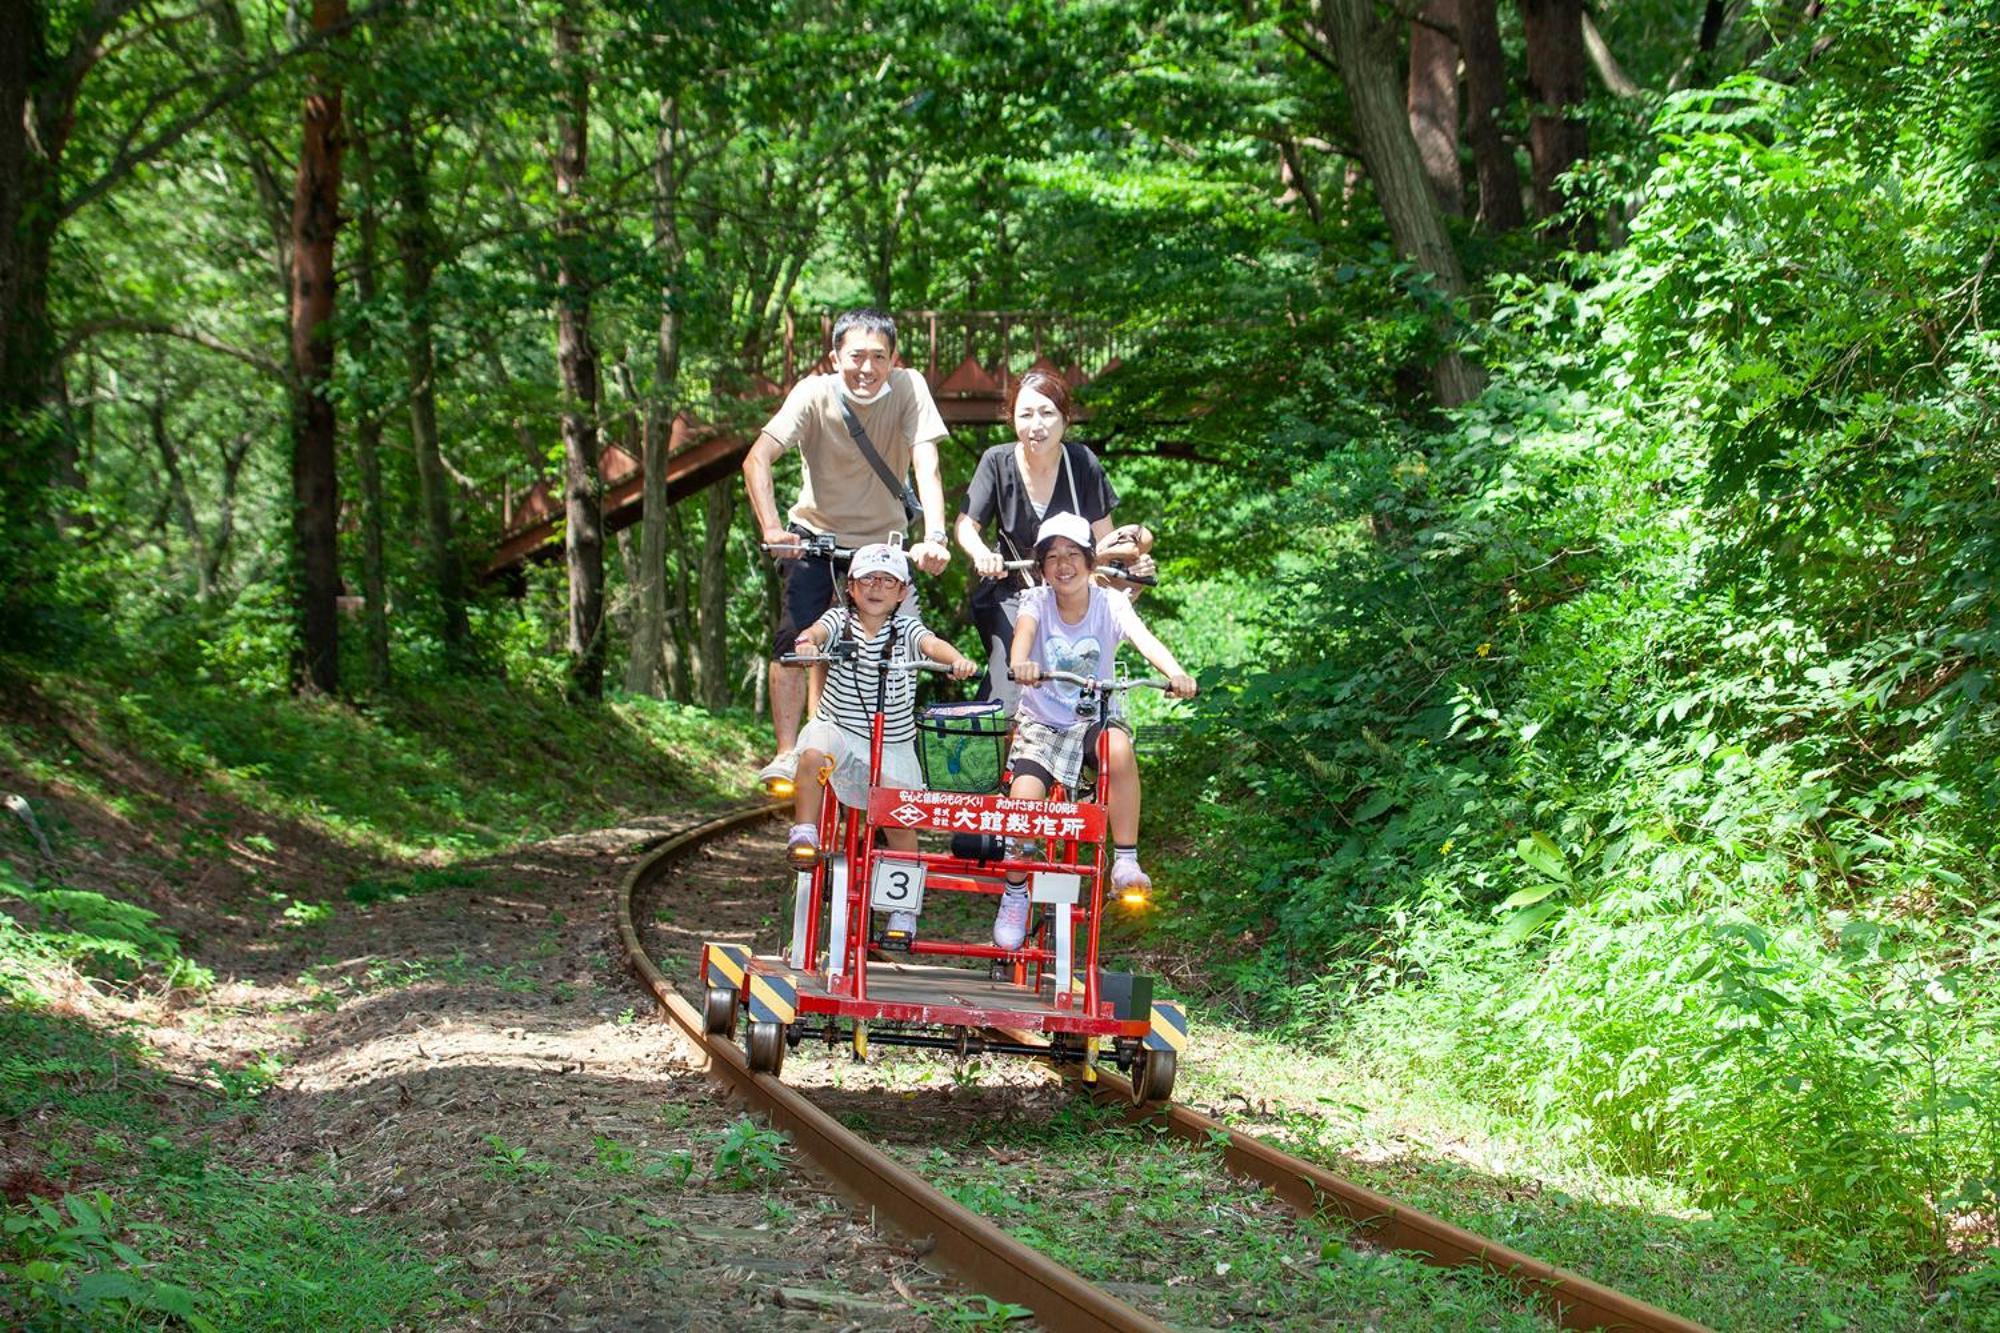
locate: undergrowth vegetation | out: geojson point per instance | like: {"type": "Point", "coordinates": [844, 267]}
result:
{"type": "Point", "coordinates": [1629, 756]}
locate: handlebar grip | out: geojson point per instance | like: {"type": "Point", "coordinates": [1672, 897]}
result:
{"type": "Point", "coordinates": [1120, 572]}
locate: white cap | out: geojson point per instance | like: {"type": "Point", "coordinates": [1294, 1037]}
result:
{"type": "Point", "coordinates": [880, 558]}
{"type": "Point", "coordinates": [1067, 525]}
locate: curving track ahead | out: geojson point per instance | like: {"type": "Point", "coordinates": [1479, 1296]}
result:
{"type": "Point", "coordinates": [990, 1260]}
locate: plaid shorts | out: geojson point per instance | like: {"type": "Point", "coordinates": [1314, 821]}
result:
{"type": "Point", "coordinates": [1059, 751]}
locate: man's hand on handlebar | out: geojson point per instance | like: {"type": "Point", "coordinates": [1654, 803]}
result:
{"type": "Point", "coordinates": [1181, 686]}
{"type": "Point", "coordinates": [930, 557]}
{"type": "Point", "coordinates": [783, 543]}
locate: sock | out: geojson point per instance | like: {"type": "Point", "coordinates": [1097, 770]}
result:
{"type": "Point", "coordinates": [1017, 886]}
{"type": "Point", "coordinates": [797, 829]}
{"type": "Point", "coordinates": [1119, 854]}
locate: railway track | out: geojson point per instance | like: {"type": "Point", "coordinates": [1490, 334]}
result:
{"type": "Point", "coordinates": [989, 1260]}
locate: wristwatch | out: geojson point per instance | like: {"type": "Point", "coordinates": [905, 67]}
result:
{"type": "Point", "coordinates": [935, 538]}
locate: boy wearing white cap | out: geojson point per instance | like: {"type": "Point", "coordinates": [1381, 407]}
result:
{"type": "Point", "coordinates": [843, 726]}
{"type": "Point", "coordinates": [1072, 623]}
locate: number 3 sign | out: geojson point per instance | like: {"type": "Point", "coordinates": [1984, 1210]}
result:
{"type": "Point", "coordinates": [896, 886]}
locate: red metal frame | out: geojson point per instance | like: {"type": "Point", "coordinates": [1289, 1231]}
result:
{"type": "Point", "coordinates": [1075, 836]}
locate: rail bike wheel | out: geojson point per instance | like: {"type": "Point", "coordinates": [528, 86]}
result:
{"type": "Point", "coordinates": [1153, 1075]}
{"type": "Point", "coordinates": [767, 1047]}
{"type": "Point", "coordinates": [718, 1012]}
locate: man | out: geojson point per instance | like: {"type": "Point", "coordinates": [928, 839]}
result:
{"type": "Point", "coordinates": [843, 494]}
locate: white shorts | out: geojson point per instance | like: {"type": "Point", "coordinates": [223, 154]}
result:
{"type": "Point", "coordinates": [850, 762]}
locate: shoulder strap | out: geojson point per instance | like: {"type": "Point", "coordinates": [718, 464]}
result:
{"type": "Point", "coordinates": [900, 490]}
{"type": "Point", "coordinates": [1075, 504]}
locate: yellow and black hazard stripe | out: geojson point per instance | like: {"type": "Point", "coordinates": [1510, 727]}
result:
{"type": "Point", "coordinates": [773, 999]}
{"type": "Point", "coordinates": [726, 964]}
{"type": "Point", "coordinates": [1169, 1030]}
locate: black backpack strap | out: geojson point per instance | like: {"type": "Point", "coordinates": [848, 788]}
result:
{"type": "Point", "coordinates": [900, 489]}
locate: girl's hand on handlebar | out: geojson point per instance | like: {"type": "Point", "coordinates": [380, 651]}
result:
{"type": "Point", "coordinates": [1181, 686]}
{"type": "Point", "coordinates": [1026, 673]}
{"type": "Point", "coordinates": [990, 565]}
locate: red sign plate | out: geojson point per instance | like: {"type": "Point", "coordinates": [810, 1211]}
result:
{"type": "Point", "coordinates": [963, 812]}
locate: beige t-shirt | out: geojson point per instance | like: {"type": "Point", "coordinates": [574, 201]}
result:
{"type": "Point", "coordinates": [842, 495]}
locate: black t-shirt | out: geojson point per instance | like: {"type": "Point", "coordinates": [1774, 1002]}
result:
{"type": "Point", "coordinates": [999, 491]}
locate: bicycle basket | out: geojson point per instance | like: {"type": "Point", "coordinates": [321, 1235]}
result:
{"type": "Point", "coordinates": [963, 746]}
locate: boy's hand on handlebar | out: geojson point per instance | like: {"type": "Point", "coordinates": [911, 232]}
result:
{"type": "Point", "coordinates": [963, 668]}
{"type": "Point", "coordinates": [805, 648]}
{"type": "Point", "coordinates": [1181, 686]}
{"type": "Point", "coordinates": [787, 542]}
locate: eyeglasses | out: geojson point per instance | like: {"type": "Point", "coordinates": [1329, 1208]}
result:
{"type": "Point", "coordinates": [878, 581]}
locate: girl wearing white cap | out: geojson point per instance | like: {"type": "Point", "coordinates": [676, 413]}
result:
{"type": "Point", "coordinates": [1071, 623]}
{"type": "Point", "coordinates": [842, 728]}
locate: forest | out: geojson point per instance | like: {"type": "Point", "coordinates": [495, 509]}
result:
{"type": "Point", "coordinates": [1570, 430]}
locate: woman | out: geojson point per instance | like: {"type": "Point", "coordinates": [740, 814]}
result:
{"type": "Point", "coordinates": [1016, 487]}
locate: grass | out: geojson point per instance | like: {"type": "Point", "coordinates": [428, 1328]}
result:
{"type": "Point", "coordinates": [118, 1216]}
{"type": "Point", "coordinates": [1550, 1199]}
{"type": "Point", "coordinates": [166, 1233]}
{"type": "Point", "coordinates": [1166, 1227]}
{"type": "Point", "coordinates": [471, 766]}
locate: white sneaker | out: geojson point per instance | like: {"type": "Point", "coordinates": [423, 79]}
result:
{"type": "Point", "coordinates": [903, 923]}
{"type": "Point", "coordinates": [1010, 926]}
{"type": "Point", "coordinates": [778, 776]}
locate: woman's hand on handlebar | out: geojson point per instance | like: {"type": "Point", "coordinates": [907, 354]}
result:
{"type": "Point", "coordinates": [990, 565]}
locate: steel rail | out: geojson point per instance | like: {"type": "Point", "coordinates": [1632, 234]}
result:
{"type": "Point", "coordinates": [1000, 1266]}
{"type": "Point", "coordinates": [1575, 1300]}
{"type": "Point", "coordinates": [966, 1244]}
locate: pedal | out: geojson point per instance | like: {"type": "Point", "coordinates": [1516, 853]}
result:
{"type": "Point", "coordinates": [895, 941]}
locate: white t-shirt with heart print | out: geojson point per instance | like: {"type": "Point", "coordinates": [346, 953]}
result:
{"type": "Point", "coordinates": [1086, 647]}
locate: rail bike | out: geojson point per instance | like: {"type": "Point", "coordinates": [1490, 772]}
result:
{"type": "Point", "coordinates": [1049, 999]}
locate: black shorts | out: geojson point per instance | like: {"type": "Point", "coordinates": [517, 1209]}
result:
{"type": "Point", "coordinates": [809, 585]}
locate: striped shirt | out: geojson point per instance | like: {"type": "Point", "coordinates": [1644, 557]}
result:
{"type": "Point", "coordinates": [848, 701]}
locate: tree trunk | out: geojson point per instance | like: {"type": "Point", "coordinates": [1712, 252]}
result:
{"type": "Point", "coordinates": [1364, 49]}
{"type": "Point", "coordinates": [416, 251]}
{"type": "Point", "coordinates": [642, 672]}
{"type": "Point", "coordinates": [583, 541]}
{"type": "Point", "coordinates": [315, 486]}
{"type": "Point", "coordinates": [1433, 102]}
{"type": "Point", "coordinates": [1558, 139]}
{"type": "Point", "coordinates": [1485, 91]}
{"type": "Point", "coordinates": [676, 651]}
{"type": "Point", "coordinates": [718, 514]}
{"type": "Point", "coordinates": [30, 151]}
{"type": "Point", "coordinates": [368, 429]}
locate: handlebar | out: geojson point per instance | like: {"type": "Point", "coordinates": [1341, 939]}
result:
{"type": "Point", "coordinates": [1096, 686]}
{"type": "Point", "coordinates": [819, 546]}
{"type": "Point", "coordinates": [1111, 567]}
{"type": "Point", "coordinates": [900, 664]}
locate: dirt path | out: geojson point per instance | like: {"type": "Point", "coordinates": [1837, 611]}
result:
{"type": "Point", "coordinates": [475, 1064]}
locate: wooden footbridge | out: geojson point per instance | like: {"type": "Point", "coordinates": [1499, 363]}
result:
{"type": "Point", "coordinates": [970, 359]}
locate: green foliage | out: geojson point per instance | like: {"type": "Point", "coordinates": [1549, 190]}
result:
{"type": "Point", "coordinates": [176, 1237]}
{"type": "Point", "coordinates": [750, 1155]}
{"type": "Point", "coordinates": [412, 771]}
{"type": "Point", "coordinates": [46, 924]}
{"type": "Point", "coordinates": [1627, 749]}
